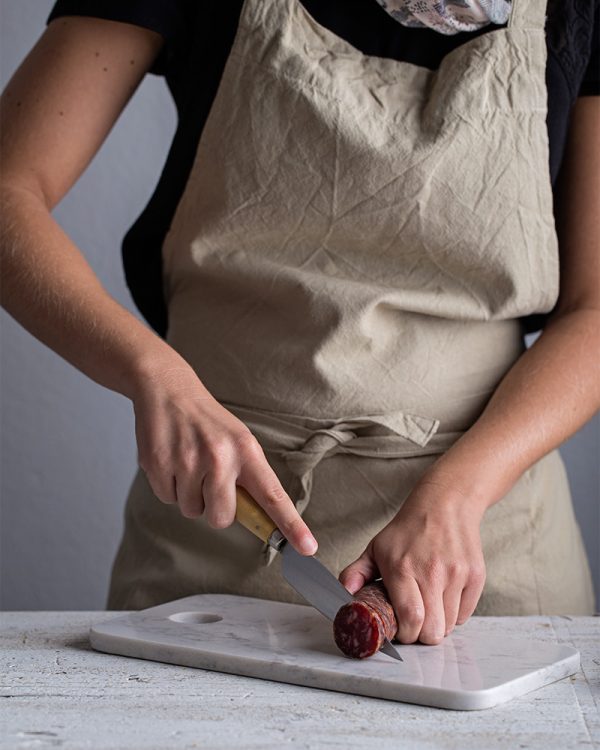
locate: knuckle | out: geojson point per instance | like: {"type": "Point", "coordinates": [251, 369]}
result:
{"type": "Point", "coordinates": [219, 450]}
{"type": "Point", "coordinates": [403, 567]}
{"type": "Point", "coordinates": [477, 574]}
{"type": "Point", "coordinates": [411, 613]}
{"type": "Point", "coordinates": [188, 459]}
{"type": "Point", "coordinates": [457, 569]}
{"type": "Point", "coordinates": [248, 444]}
{"type": "Point", "coordinates": [216, 463]}
{"type": "Point", "coordinates": [435, 569]}
{"type": "Point", "coordinates": [275, 496]}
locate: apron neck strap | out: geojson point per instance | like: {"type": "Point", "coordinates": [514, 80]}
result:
{"type": "Point", "coordinates": [528, 14]}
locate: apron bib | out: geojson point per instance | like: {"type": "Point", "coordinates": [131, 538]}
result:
{"type": "Point", "coordinates": [345, 272]}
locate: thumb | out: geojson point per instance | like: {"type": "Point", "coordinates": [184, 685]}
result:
{"type": "Point", "coordinates": [359, 572]}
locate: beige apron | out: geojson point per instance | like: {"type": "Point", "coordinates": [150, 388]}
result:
{"type": "Point", "coordinates": [345, 272]}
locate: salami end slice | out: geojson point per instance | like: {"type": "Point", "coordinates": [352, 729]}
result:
{"type": "Point", "coordinates": [361, 626]}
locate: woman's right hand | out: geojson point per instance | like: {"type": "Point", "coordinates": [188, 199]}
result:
{"type": "Point", "coordinates": [194, 451]}
{"type": "Point", "coordinates": [55, 113]}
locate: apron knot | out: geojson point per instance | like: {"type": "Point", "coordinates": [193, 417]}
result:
{"type": "Point", "coordinates": [303, 442]}
{"type": "Point", "coordinates": [320, 444]}
{"type": "Point", "coordinates": [361, 436]}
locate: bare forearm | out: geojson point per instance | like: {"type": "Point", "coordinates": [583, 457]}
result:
{"type": "Point", "coordinates": [50, 289]}
{"type": "Point", "coordinates": [430, 555]}
{"type": "Point", "coordinates": [552, 390]}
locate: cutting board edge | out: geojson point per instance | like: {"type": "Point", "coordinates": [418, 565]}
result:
{"type": "Point", "coordinates": [463, 700]}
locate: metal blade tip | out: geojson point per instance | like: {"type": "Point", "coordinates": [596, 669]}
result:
{"type": "Point", "coordinates": [388, 649]}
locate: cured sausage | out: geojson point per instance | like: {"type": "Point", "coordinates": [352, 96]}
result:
{"type": "Point", "coordinates": [361, 626]}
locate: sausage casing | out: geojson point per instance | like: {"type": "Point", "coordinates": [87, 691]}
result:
{"type": "Point", "coordinates": [361, 626]}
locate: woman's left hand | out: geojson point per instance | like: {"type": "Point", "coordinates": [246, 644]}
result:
{"type": "Point", "coordinates": [431, 562]}
{"type": "Point", "coordinates": [429, 555]}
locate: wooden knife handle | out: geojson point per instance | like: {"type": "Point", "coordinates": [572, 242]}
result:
{"type": "Point", "coordinates": [252, 516]}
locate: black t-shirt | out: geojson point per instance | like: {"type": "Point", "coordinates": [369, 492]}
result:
{"type": "Point", "coordinates": [198, 38]}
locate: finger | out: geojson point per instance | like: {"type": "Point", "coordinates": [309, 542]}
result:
{"type": "Point", "coordinates": [264, 486]}
{"type": "Point", "coordinates": [218, 491]}
{"type": "Point", "coordinates": [407, 602]}
{"type": "Point", "coordinates": [155, 460]}
{"type": "Point", "coordinates": [188, 481]}
{"type": "Point", "coordinates": [163, 486]}
{"type": "Point", "coordinates": [470, 596]}
{"type": "Point", "coordinates": [188, 491]}
{"type": "Point", "coordinates": [452, 599]}
{"type": "Point", "coordinates": [434, 623]}
{"type": "Point", "coordinates": [359, 572]}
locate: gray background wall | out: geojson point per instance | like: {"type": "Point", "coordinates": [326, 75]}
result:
{"type": "Point", "coordinates": [68, 451]}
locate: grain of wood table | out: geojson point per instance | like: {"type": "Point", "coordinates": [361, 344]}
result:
{"type": "Point", "coordinates": [57, 692]}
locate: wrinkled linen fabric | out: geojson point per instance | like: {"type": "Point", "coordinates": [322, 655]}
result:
{"type": "Point", "coordinates": [448, 16]}
{"type": "Point", "coordinates": [345, 272]}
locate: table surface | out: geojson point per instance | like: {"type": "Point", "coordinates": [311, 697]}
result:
{"type": "Point", "coordinates": [58, 692]}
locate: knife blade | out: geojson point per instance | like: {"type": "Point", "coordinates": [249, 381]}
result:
{"type": "Point", "coordinates": [309, 577]}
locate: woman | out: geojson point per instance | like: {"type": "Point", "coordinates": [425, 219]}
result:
{"type": "Point", "coordinates": [352, 232]}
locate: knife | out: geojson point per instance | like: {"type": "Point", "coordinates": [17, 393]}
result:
{"type": "Point", "coordinates": [304, 573]}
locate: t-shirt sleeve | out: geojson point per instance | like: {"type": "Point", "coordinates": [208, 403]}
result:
{"type": "Point", "coordinates": [166, 17]}
{"type": "Point", "coordinates": [590, 84]}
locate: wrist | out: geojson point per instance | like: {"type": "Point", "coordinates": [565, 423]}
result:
{"type": "Point", "coordinates": [161, 367]}
{"type": "Point", "coordinates": [475, 473]}
{"type": "Point", "coordinates": [443, 492]}
{"type": "Point", "coordinates": [438, 499]}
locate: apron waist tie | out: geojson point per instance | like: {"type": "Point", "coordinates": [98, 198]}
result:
{"type": "Point", "coordinates": [303, 442]}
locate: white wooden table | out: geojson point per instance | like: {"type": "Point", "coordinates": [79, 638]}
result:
{"type": "Point", "coordinates": [57, 692]}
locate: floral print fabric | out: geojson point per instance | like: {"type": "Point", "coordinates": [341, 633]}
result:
{"type": "Point", "coordinates": [448, 16]}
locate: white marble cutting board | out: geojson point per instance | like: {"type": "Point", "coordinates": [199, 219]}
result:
{"type": "Point", "coordinates": [470, 669]}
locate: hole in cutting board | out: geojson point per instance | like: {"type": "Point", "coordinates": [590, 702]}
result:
{"type": "Point", "coordinates": [195, 618]}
